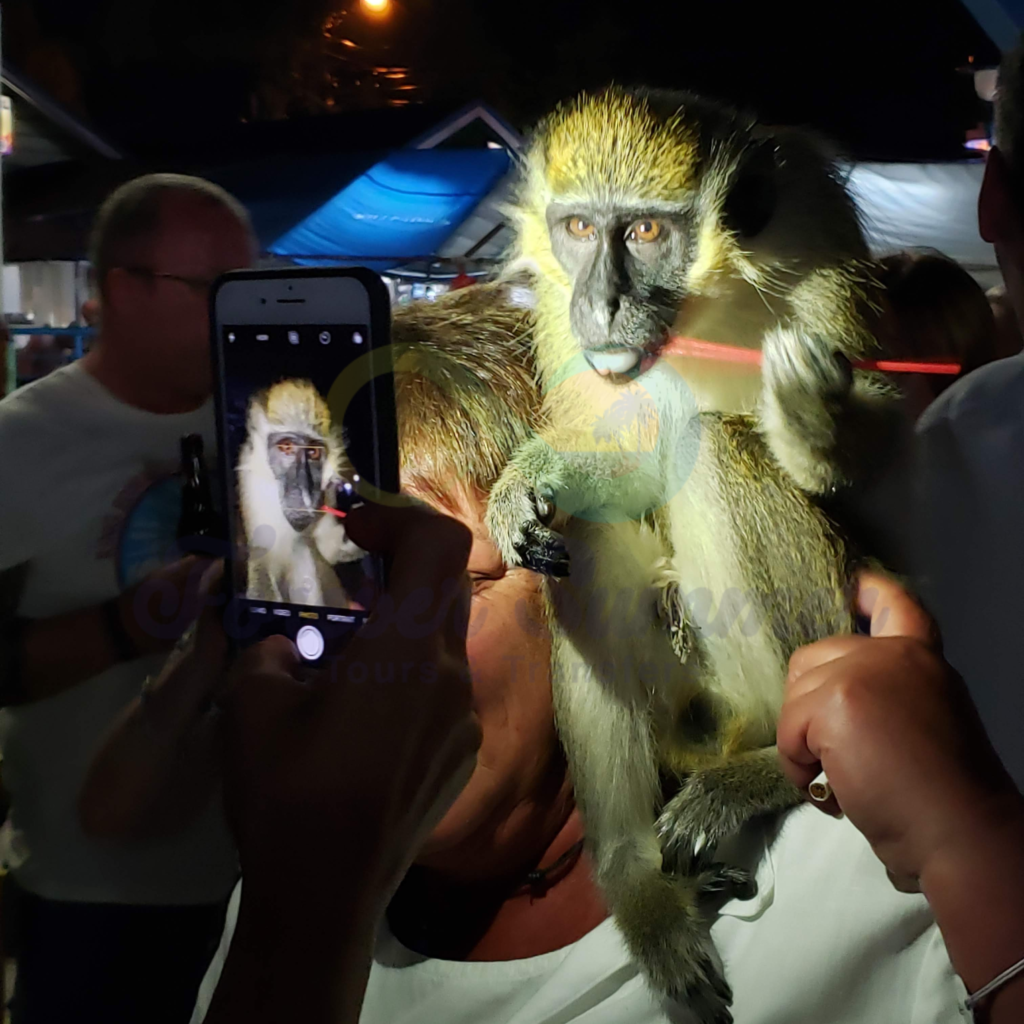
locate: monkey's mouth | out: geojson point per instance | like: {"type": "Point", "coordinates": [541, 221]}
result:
{"type": "Point", "coordinates": [624, 363]}
{"type": "Point", "coordinates": [301, 518]}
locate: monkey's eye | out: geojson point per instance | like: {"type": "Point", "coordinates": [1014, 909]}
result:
{"type": "Point", "coordinates": [286, 447]}
{"type": "Point", "coordinates": [644, 231]}
{"type": "Point", "coordinates": [580, 228]}
{"type": "Point", "coordinates": [315, 453]}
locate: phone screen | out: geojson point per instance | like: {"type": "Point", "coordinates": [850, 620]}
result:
{"type": "Point", "coordinates": [301, 428]}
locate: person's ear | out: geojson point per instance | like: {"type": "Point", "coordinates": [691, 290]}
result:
{"type": "Point", "coordinates": [999, 214]}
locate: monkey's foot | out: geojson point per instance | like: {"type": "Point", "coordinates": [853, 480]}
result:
{"type": "Point", "coordinates": [517, 517]}
{"type": "Point", "coordinates": [718, 801]}
{"type": "Point", "coordinates": [667, 934]}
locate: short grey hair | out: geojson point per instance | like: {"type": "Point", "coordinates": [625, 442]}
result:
{"type": "Point", "coordinates": [131, 217]}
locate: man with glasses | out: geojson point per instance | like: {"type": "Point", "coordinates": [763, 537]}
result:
{"type": "Point", "coordinates": [91, 599]}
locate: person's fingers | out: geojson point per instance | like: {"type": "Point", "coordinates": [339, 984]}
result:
{"type": "Point", "coordinates": [800, 761]}
{"type": "Point", "coordinates": [425, 545]}
{"type": "Point", "coordinates": [428, 554]}
{"type": "Point", "coordinates": [805, 659]}
{"type": "Point", "coordinates": [800, 750]}
{"type": "Point", "coordinates": [892, 611]}
{"type": "Point", "coordinates": [262, 691]}
{"type": "Point", "coordinates": [273, 656]}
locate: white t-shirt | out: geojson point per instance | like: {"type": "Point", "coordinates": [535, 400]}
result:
{"type": "Point", "coordinates": [969, 541]}
{"type": "Point", "coordinates": [826, 940]}
{"type": "Point", "coordinates": [90, 497]}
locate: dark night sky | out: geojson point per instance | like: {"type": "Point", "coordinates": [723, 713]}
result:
{"type": "Point", "coordinates": [877, 75]}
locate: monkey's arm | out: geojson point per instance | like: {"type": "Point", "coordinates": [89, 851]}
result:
{"type": "Point", "coordinates": [829, 426]}
{"type": "Point", "coordinates": [60, 651]}
{"type": "Point", "coordinates": [547, 481]}
{"type": "Point", "coordinates": [718, 796]}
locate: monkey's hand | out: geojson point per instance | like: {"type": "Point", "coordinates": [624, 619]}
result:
{"type": "Point", "coordinates": [827, 425]}
{"type": "Point", "coordinates": [716, 801]}
{"type": "Point", "coordinates": [671, 610]}
{"type": "Point", "coordinates": [520, 510]}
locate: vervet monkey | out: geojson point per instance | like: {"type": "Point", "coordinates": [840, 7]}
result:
{"type": "Point", "coordinates": [670, 488]}
{"type": "Point", "coordinates": [291, 465]}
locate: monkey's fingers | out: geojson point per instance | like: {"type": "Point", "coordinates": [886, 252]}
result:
{"type": "Point", "coordinates": [545, 552]}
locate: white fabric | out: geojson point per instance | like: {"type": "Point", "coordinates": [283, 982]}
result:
{"type": "Point", "coordinates": [826, 940]}
{"type": "Point", "coordinates": [89, 497]}
{"type": "Point", "coordinates": [906, 205]}
{"type": "Point", "coordinates": [969, 551]}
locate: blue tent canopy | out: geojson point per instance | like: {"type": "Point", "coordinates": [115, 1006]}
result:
{"type": "Point", "coordinates": [402, 208]}
{"type": "Point", "coordinates": [1003, 20]}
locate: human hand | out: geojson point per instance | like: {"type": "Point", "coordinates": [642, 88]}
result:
{"type": "Point", "coordinates": [199, 658]}
{"type": "Point", "coordinates": [158, 610]}
{"type": "Point", "coordinates": [157, 769]}
{"type": "Point", "coordinates": [332, 785]}
{"type": "Point", "coordinates": [893, 727]}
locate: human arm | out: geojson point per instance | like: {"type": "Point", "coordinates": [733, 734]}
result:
{"type": "Point", "coordinates": [158, 766]}
{"type": "Point", "coordinates": [911, 767]}
{"type": "Point", "coordinates": [61, 651]}
{"type": "Point", "coordinates": [332, 786]}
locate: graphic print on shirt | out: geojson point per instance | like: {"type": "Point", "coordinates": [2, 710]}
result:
{"type": "Point", "coordinates": [139, 534]}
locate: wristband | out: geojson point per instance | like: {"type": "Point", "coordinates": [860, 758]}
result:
{"type": "Point", "coordinates": [996, 983]}
{"type": "Point", "coordinates": [123, 644]}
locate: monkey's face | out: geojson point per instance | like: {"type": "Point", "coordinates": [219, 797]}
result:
{"type": "Point", "coordinates": [298, 463]}
{"type": "Point", "coordinates": [628, 268]}
{"type": "Point", "coordinates": [648, 204]}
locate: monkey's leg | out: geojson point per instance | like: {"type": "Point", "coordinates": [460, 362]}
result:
{"type": "Point", "coordinates": [609, 745]}
{"type": "Point", "coordinates": [827, 424]}
{"type": "Point", "coordinates": [716, 800]}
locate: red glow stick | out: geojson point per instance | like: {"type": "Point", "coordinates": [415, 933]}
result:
{"type": "Point", "coordinates": [333, 511]}
{"type": "Point", "coordinates": [696, 349]}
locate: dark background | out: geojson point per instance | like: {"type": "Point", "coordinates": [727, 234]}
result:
{"type": "Point", "coordinates": [879, 76]}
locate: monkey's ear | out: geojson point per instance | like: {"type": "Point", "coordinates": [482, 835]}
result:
{"type": "Point", "coordinates": [258, 421]}
{"type": "Point", "coordinates": [754, 193]}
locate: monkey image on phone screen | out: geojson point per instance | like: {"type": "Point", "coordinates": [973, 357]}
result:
{"type": "Point", "coordinates": [293, 483]}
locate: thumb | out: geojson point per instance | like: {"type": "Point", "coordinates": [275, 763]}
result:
{"type": "Point", "coordinates": [262, 688]}
{"type": "Point", "coordinates": [892, 611]}
{"type": "Point", "coordinates": [210, 643]}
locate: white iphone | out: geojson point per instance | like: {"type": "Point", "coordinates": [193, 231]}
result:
{"type": "Point", "coordinates": [306, 428]}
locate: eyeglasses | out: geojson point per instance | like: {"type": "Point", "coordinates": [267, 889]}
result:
{"type": "Point", "coordinates": [202, 285]}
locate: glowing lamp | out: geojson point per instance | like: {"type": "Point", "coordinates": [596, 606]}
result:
{"type": "Point", "coordinates": [377, 6]}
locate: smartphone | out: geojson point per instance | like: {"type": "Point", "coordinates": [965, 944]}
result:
{"type": "Point", "coordinates": [306, 428]}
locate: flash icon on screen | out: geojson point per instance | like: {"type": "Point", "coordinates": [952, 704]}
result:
{"type": "Point", "coordinates": [357, 338]}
